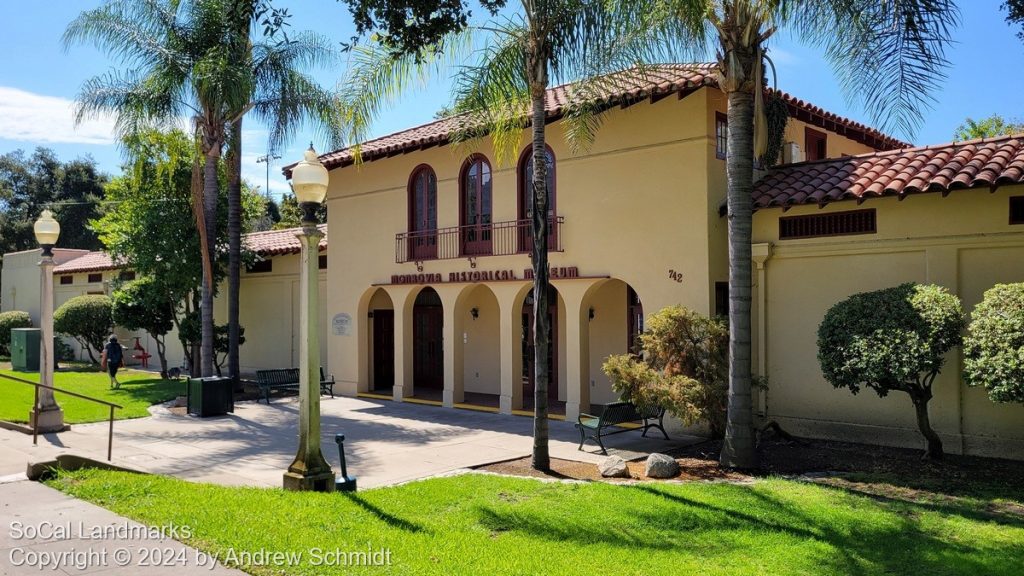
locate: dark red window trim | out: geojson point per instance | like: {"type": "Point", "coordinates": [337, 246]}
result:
{"type": "Point", "coordinates": [521, 183]}
{"type": "Point", "coordinates": [816, 143]}
{"type": "Point", "coordinates": [721, 147]}
{"type": "Point", "coordinates": [420, 246]}
{"type": "Point", "coordinates": [1017, 210]}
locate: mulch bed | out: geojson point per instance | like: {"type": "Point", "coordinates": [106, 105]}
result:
{"type": "Point", "coordinates": [874, 470]}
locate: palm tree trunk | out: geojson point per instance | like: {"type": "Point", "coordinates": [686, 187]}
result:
{"type": "Point", "coordinates": [541, 322]}
{"type": "Point", "coordinates": [234, 244]}
{"type": "Point", "coordinates": [210, 193]}
{"type": "Point", "coordinates": [738, 447]}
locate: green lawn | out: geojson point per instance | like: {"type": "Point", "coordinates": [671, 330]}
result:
{"type": "Point", "coordinates": [139, 390]}
{"type": "Point", "coordinates": [487, 525]}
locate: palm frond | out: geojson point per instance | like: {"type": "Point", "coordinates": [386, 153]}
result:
{"type": "Point", "coordinates": [889, 56]}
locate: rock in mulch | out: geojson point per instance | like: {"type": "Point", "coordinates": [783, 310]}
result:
{"type": "Point", "coordinates": [661, 466]}
{"type": "Point", "coordinates": [613, 467]}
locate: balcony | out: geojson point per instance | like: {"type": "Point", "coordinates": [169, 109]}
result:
{"type": "Point", "coordinates": [495, 239]}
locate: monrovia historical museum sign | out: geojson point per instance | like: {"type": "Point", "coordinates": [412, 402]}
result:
{"type": "Point", "coordinates": [556, 272]}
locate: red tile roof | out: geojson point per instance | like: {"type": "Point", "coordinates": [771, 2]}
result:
{"type": "Point", "coordinates": [270, 243]}
{"type": "Point", "coordinates": [89, 262]}
{"type": "Point", "coordinates": [279, 242]}
{"type": "Point", "coordinates": [626, 87]}
{"type": "Point", "coordinates": [943, 168]}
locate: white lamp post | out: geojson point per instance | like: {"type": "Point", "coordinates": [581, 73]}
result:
{"type": "Point", "coordinates": [46, 414]}
{"type": "Point", "coordinates": [309, 470]}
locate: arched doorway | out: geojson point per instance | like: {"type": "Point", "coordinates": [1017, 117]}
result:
{"type": "Point", "coordinates": [616, 320]}
{"type": "Point", "coordinates": [529, 374]}
{"type": "Point", "coordinates": [427, 339]}
{"type": "Point", "coordinates": [382, 342]}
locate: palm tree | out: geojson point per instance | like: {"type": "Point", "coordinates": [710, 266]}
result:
{"type": "Point", "coordinates": [887, 54]}
{"type": "Point", "coordinates": [178, 67]}
{"type": "Point", "coordinates": [283, 97]}
{"type": "Point", "coordinates": [500, 96]}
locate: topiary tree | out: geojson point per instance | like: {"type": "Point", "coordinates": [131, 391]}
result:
{"type": "Point", "coordinates": [9, 321]}
{"type": "Point", "coordinates": [994, 347]}
{"type": "Point", "coordinates": [88, 319]}
{"type": "Point", "coordinates": [892, 339]}
{"type": "Point", "coordinates": [684, 368]}
{"type": "Point", "coordinates": [143, 304]}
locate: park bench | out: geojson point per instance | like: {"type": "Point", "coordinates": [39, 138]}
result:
{"type": "Point", "coordinates": [288, 379]}
{"type": "Point", "coordinates": [616, 415]}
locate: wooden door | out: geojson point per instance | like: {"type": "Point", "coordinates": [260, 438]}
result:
{"type": "Point", "coordinates": [476, 207]}
{"type": "Point", "coordinates": [428, 352]}
{"type": "Point", "coordinates": [423, 215]}
{"type": "Point", "coordinates": [383, 349]}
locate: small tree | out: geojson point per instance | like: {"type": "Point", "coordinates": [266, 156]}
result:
{"type": "Point", "coordinates": [87, 319]}
{"type": "Point", "coordinates": [143, 305]}
{"type": "Point", "coordinates": [684, 368]}
{"type": "Point", "coordinates": [892, 339]}
{"type": "Point", "coordinates": [994, 347]}
{"type": "Point", "coordinates": [9, 321]}
{"type": "Point", "coordinates": [190, 332]}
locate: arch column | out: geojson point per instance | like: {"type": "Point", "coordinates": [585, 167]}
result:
{"type": "Point", "coordinates": [510, 305]}
{"type": "Point", "coordinates": [577, 342]}
{"type": "Point", "coordinates": [453, 345]}
{"type": "Point", "coordinates": [403, 298]}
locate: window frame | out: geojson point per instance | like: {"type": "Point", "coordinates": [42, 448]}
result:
{"type": "Point", "coordinates": [423, 246]}
{"type": "Point", "coordinates": [721, 152]}
{"type": "Point", "coordinates": [94, 278]}
{"type": "Point", "coordinates": [1016, 208]}
{"type": "Point", "coordinates": [481, 231]}
{"type": "Point", "coordinates": [816, 136]}
{"type": "Point", "coordinates": [525, 240]}
{"type": "Point", "coordinates": [67, 279]}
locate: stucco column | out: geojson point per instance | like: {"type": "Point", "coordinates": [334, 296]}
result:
{"type": "Point", "coordinates": [510, 325]}
{"type": "Point", "coordinates": [403, 300]}
{"type": "Point", "coordinates": [946, 406]}
{"type": "Point", "coordinates": [309, 470]}
{"type": "Point", "coordinates": [453, 344]}
{"type": "Point", "coordinates": [761, 253]}
{"type": "Point", "coordinates": [577, 346]}
{"type": "Point", "coordinates": [51, 416]}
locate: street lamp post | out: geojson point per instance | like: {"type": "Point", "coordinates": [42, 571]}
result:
{"type": "Point", "coordinates": [46, 415]}
{"type": "Point", "coordinates": [309, 470]}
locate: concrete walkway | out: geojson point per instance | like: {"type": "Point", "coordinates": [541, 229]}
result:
{"type": "Point", "coordinates": [44, 531]}
{"type": "Point", "coordinates": [387, 442]}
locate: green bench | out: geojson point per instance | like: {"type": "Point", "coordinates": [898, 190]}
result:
{"type": "Point", "coordinates": [616, 414]}
{"type": "Point", "coordinates": [288, 379]}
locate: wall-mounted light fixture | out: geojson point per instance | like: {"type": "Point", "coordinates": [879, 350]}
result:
{"type": "Point", "coordinates": [474, 312]}
{"type": "Point", "coordinates": [591, 313]}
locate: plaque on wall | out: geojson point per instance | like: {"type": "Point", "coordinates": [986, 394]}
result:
{"type": "Point", "coordinates": [341, 324]}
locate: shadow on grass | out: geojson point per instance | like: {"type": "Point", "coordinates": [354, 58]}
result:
{"type": "Point", "coordinates": [888, 538]}
{"type": "Point", "coordinates": [383, 516]}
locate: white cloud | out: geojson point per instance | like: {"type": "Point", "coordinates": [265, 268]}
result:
{"type": "Point", "coordinates": [29, 117]}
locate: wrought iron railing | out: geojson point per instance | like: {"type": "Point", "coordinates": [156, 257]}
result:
{"type": "Point", "coordinates": [495, 239]}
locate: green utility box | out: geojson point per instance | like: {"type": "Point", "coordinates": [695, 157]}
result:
{"type": "Point", "coordinates": [213, 396]}
{"type": "Point", "coordinates": [25, 349]}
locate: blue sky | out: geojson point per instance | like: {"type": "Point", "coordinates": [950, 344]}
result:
{"type": "Point", "coordinates": [39, 81]}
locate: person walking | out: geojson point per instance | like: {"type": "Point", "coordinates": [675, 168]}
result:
{"type": "Point", "coordinates": [112, 360]}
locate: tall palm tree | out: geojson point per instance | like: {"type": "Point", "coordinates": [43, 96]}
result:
{"type": "Point", "coordinates": [888, 56]}
{"type": "Point", "coordinates": [284, 97]}
{"type": "Point", "coordinates": [178, 66]}
{"type": "Point", "coordinates": [502, 94]}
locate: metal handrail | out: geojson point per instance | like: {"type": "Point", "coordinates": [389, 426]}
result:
{"type": "Point", "coordinates": [35, 409]}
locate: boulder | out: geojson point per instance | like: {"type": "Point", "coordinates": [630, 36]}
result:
{"type": "Point", "coordinates": [661, 466]}
{"type": "Point", "coordinates": [613, 467]}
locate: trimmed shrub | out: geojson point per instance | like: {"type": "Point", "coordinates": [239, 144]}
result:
{"type": "Point", "coordinates": [87, 319]}
{"type": "Point", "coordinates": [994, 346]}
{"type": "Point", "coordinates": [9, 321]}
{"type": "Point", "coordinates": [892, 339]}
{"type": "Point", "coordinates": [684, 368]}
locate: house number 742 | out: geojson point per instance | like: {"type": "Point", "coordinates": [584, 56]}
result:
{"type": "Point", "coordinates": [677, 276]}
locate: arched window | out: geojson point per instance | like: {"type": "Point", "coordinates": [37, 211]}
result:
{"type": "Point", "coordinates": [423, 214]}
{"type": "Point", "coordinates": [526, 198]}
{"type": "Point", "coordinates": [475, 192]}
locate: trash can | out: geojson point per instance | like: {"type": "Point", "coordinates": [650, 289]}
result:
{"type": "Point", "coordinates": [213, 396]}
{"type": "Point", "coordinates": [25, 349]}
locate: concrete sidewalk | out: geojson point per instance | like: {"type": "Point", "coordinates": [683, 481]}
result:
{"type": "Point", "coordinates": [44, 531]}
{"type": "Point", "coordinates": [387, 442]}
